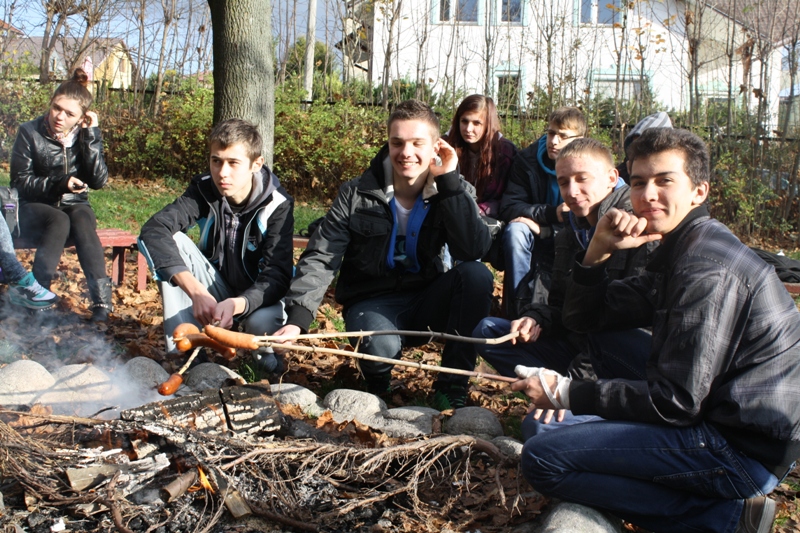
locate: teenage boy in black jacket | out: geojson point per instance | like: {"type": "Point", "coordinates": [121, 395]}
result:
{"type": "Point", "coordinates": [385, 233]}
{"type": "Point", "coordinates": [240, 269]}
{"type": "Point", "coordinates": [715, 424]}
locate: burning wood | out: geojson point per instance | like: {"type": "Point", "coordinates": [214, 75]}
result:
{"type": "Point", "coordinates": [246, 410]}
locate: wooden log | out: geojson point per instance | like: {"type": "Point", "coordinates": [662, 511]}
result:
{"type": "Point", "coordinates": [245, 410]}
{"type": "Point", "coordinates": [251, 410]}
{"type": "Point", "coordinates": [132, 476]}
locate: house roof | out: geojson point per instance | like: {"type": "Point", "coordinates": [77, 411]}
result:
{"type": "Point", "coordinates": [98, 50]}
{"type": "Point", "coordinates": [775, 20]}
{"type": "Point", "coordinates": [8, 27]}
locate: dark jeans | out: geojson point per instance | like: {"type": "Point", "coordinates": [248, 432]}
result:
{"type": "Point", "coordinates": [659, 477]}
{"type": "Point", "coordinates": [454, 303]}
{"type": "Point", "coordinates": [555, 354]}
{"type": "Point", "coordinates": [50, 227]}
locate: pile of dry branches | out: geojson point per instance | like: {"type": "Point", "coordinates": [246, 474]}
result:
{"type": "Point", "coordinates": [304, 485]}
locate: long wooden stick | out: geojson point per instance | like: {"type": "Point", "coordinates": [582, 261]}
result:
{"type": "Point", "coordinates": [399, 362]}
{"type": "Point", "coordinates": [246, 341]}
{"type": "Point", "coordinates": [401, 332]}
{"type": "Point", "coordinates": [237, 339]}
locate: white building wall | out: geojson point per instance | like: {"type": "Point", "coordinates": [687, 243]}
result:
{"type": "Point", "coordinates": [581, 59]}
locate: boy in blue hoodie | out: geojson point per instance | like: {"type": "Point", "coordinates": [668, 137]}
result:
{"type": "Point", "coordinates": [534, 210]}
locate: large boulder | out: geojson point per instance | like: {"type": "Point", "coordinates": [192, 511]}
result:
{"type": "Point", "coordinates": [347, 405]}
{"type": "Point", "coordinates": [22, 382]}
{"type": "Point", "coordinates": [573, 518]}
{"type": "Point", "coordinates": [475, 421]}
{"type": "Point", "coordinates": [207, 376]}
{"type": "Point", "coordinates": [292, 394]}
{"type": "Point", "coordinates": [80, 390]}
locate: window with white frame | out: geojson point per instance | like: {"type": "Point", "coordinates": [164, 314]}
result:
{"type": "Point", "coordinates": [458, 10]}
{"type": "Point", "coordinates": [509, 86]}
{"type": "Point", "coordinates": [629, 88]}
{"type": "Point", "coordinates": [511, 10]}
{"type": "Point", "coordinates": [600, 12]}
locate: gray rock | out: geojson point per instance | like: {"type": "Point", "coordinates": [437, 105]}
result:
{"type": "Point", "coordinates": [475, 421]}
{"type": "Point", "coordinates": [79, 390]}
{"type": "Point", "coordinates": [137, 382]}
{"type": "Point", "coordinates": [573, 518]}
{"type": "Point", "coordinates": [144, 372]}
{"type": "Point", "coordinates": [512, 448]}
{"type": "Point", "coordinates": [420, 418]}
{"type": "Point", "coordinates": [291, 394]}
{"type": "Point", "coordinates": [393, 428]}
{"type": "Point", "coordinates": [347, 404]}
{"type": "Point", "coordinates": [22, 381]}
{"type": "Point", "coordinates": [207, 376]}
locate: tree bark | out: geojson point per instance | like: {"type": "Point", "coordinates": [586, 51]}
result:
{"type": "Point", "coordinates": [244, 83]}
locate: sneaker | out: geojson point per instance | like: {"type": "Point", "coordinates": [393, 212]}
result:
{"type": "Point", "coordinates": [264, 363]}
{"type": "Point", "coordinates": [28, 293]}
{"type": "Point", "coordinates": [757, 516]}
{"type": "Point", "coordinates": [450, 397]}
{"type": "Point", "coordinates": [379, 384]}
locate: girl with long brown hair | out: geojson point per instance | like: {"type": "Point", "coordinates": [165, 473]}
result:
{"type": "Point", "coordinates": [56, 158]}
{"type": "Point", "coordinates": [484, 155]}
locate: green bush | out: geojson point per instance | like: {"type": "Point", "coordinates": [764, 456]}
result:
{"type": "Point", "coordinates": [173, 145]}
{"type": "Point", "coordinates": [318, 148]}
{"type": "Point", "coordinates": [20, 102]}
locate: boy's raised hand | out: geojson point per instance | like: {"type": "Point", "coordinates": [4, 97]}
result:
{"type": "Point", "coordinates": [617, 230]}
{"type": "Point", "coordinates": [448, 156]}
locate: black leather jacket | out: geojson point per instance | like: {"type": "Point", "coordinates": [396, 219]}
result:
{"type": "Point", "coordinates": [41, 166]}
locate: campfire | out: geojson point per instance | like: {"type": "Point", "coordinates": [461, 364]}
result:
{"type": "Point", "coordinates": [230, 459]}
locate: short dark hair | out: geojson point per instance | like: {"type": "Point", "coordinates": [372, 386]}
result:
{"type": "Point", "coordinates": [234, 131]}
{"type": "Point", "coordinates": [570, 118]}
{"type": "Point", "coordinates": [587, 146]}
{"type": "Point", "coordinates": [76, 88]}
{"type": "Point", "coordinates": [695, 152]}
{"type": "Point", "coordinates": [415, 110]}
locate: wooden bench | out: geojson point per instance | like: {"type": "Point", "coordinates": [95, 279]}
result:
{"type": "Point", "coordinates": [120, 242]}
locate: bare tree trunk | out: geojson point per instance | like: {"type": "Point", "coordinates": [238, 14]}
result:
{"type": "Point", "coordinates": [244, 85]}
{"type": "Point", "coordinates": [56, 12]}
{"type": "Point", "coordinates": [387, 60]}
{"type": "Point", "coordinates": [168, 11]}
{"type": "Point", "coordinates": [311, 41]}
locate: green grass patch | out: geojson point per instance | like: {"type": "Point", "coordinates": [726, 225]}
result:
{"type": "Point", "coordinates": [127, 205]}
{"type": "Point", "coordinates": [305, 214]}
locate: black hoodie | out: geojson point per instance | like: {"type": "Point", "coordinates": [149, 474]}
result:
{"type": "Point", "coordinates": [258, 264]}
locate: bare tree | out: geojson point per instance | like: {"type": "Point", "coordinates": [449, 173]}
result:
{"type": "Point", "coordinates": [243, 70]}
{"type": "Point", "coordinates": [92, 14]}
{"type": "Point", "coordinates": [168, 8]}
{"type": "Point", "coordinates": [56, 14]}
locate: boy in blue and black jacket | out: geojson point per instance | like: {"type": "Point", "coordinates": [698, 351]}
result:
{"type": "Point", "coordinates": [240, 270]}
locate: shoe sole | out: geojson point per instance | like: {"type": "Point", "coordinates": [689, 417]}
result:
{"type": "Point", "coordinates": [27, 304]}
{"type": "Point", "coordinates": [767, 516]}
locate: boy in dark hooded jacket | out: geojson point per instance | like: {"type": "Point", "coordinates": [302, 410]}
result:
{"type": "Point", "coordinates": [240, 269]}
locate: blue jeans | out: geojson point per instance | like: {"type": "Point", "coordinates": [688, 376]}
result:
{"type": "Point", "coordinates": [659, 477]}
{"type": "Point", "coordinates": [555, 354]}
{"type": "Point", "coordinates": [518, 241]}
{"type": "Point", "coordinates": [13, 271]}
{"type": "Point", "coordinates": [453, 303]}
